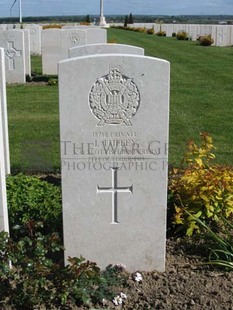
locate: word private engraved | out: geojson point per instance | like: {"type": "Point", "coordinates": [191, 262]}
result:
{"type": "Point", "coordinates": [114, 99]}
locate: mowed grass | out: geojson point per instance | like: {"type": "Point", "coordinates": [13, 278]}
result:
{"type": "Point", "coordinates": [201, 90]}
{"type": "Point", "coordinates": [33, 127]}
{"type": "Point", "coordinates": [201, 100]}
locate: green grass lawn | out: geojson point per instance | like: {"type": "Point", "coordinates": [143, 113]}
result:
{"type": "Point", "coordinates": [201, 89]}
{"type": "Point", "coordinates": [33, 127]}
{"type": "Point", "coordinates": [201, 100]}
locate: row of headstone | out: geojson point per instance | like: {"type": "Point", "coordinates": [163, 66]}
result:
{"type": "Point", "coordinates": [4, 147]}
{"type": "Point", "coordinates": [34, 32]}
{"type": "Point", "coordinates": [221, 34]}
{"type": "Point", "coordinates": [114, 135]}
{"type": "Point", "coordinates": [56, 44]}
{"type": "Point", "coordinates": [92, 49]}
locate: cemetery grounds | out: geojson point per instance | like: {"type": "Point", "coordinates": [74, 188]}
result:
{"type": "Point", "coordinates": [201, 101]}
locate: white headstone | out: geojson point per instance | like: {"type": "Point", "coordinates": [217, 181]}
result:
{"type": "Point", "coordinates": [13, 43]}
{"type": "Point", "coordinates": [51, 40]}
{"type": "Point", "coordinates": [231, 27]}
{"type": "Point", "coordinates": [223, 35]}
{"type": "Point", "coordinates": [71, 38]}
{"type": "Point", "coordinates": [4, 118]}
{"type": "Point", "coordinates": [56, 44]}
{"type": "Point", "coordinates": [205, 30]}
{"type": "Point", "coordinates": [96, 35]}
{"type": "Point", "coordinates": [106, 48]}
{"type": "Point", "coordinates": [4, 225]}
{"type": "Point", "coordinates": [27, 51]}
{"type": "Point", "coordinates": [3, 27]}
{"type": "Point", "coordinates": [192, 31]}
{"type": "Point", "coordinates": [114, 134]}
{"type": "Point", "coordinates": [35, 38]}
{"type": "Point", "coordinates": [168, 29]}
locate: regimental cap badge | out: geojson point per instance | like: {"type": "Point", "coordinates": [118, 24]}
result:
{"type": "Point", "coordinates": [114, 98]}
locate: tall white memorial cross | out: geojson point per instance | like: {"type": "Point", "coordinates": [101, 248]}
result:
{"type": "Point", "coordinates": [114, 190]}
{"type": "Point", "coordinates": [102, 18]}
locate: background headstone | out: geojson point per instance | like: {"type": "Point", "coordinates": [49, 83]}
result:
{"type": "Point", "coordinates": [56, 44]}
{"type": "Point", "coordinates": [27, 51]}
{"type": "Point", "coordinates": [4, 224]}
{"type": "Point", "coordinates": [223, 36]}
{"type": "Point", "coordinates": [114, 135]}
{"type": "Point", "coordinates": [71, 38]}
{"type": "Point", "coordinates": [96, 35]}
{"type": "Point", "coordinates": [106, 48]}
{"type": "Point", "coordinates": [13, 43]}
{"type": "Point", "coordinates": [4, 117]}
{"type": "Point", "coordinates": [51, 40]}
{"type": "Point", "coordinates": [35, 38]}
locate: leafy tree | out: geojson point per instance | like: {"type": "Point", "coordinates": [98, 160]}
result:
{"type": "Point", "coordinates": [88, 19]}
{"type": "Point", "coordinates": [130, 18]}
{"type": "Point", "coordinates": [126, 21]}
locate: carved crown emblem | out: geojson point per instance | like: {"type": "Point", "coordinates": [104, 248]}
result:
{"type": "Point", "coordinates": [114, 99]}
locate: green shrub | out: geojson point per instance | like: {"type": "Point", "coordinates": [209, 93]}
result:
{"type": "Point", "coordinates": [200, 188]}
{"type": "Point", "coordinates": [182, 35]}
{"type": "Point", "coordinates": [53, 82]}
{"type": "Point", "coordinates": [161, 33]}
{"type": "Point", "coordinates": [51, 26]}
{"type": "Point", "coordinates": [36, 281]}
{"type": "Point", "coordinates": [205, 40]}
{"type": "Point", "coordinates": [174, 34]}
{"type": "Point", "coordinates": [33, 200]}
{"type": "Point", "coordinates": [139, 29]}
{"type": "Point", "coordinates": [150, 31]}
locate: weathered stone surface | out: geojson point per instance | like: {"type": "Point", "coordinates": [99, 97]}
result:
{"type": "Point", "coordinates": [14, 46]}
{"type": "Point", "coordinates": [4, 225]}
{"type": "Point", "coordinates": [92, 49]}
{"type": "Point", "coordinates": [114, 134]}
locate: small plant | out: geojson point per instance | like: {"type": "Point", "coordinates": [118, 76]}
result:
{"type": "Point", "coordinates": [219, 244]}
{"type": "Point", "coordinates": [150, 31]}
{"type": "Point", "coordinates": [36, 280]}
{"type": "Point", "coordinates": [205, 40]}
{"type": "Point", "coordinates": [113, 40]}
{"type": "Point", "coordinates": [161, 33]}
{"type": "Point", "coordinates": [174, 34]}
{"type": "Point", "coordinates": [139, 29]}
{"type": "Point", "coordinates": [51, 26]}
{"type": "Point", "coordinates": [84, 23]}
{"type": "Point", "coordinates": [200, 188]}
{"type": "Point", "coordinates": [53, 82]}
{"type": "Point", "coordinates": [182, 35]}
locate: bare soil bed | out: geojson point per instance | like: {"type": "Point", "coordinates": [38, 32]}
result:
{"type": "Point", "coordinates": [186, 284]}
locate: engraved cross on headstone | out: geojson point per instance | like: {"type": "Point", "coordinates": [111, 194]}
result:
{"type": "Point", "coordinates": [114, 189]}
{"type": "Point", "coordinates": [11, 53]}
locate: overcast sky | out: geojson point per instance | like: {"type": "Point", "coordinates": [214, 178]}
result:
{"type": "Point", "coordinates": [84, 7]}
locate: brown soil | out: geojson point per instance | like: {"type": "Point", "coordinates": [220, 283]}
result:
{"type": "Point", "coordinates": [186, 284]}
